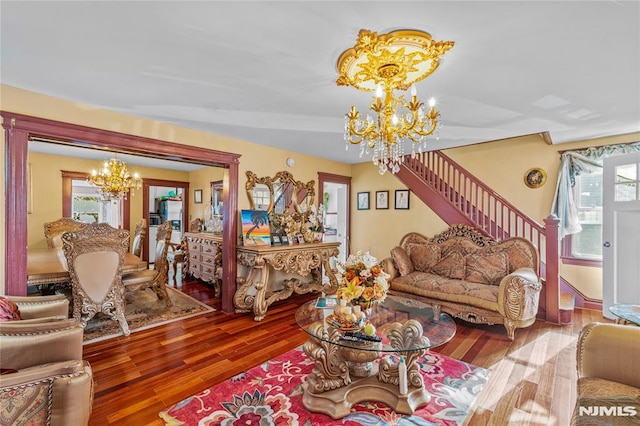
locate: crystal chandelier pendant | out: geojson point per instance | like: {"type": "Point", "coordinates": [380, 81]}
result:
{"type": "Point", "coordinates": [384, 64]}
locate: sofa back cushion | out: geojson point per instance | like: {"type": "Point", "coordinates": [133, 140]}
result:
{"type": "Point", "coordinates": [450, 266]}
{"type": "Point", "coordinates": [520, 253]}
{"type": "Point", "coordinates": [424, 256]}
{"type": "Point", "coordinates": [461, 245]}
{"type": "Point", "coordinates": [485, 268]}
{"type": "Point", "coordinates": [402, 261]}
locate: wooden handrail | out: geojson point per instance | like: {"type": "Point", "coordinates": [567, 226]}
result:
{"type": "Point", "coordinates": [487, 210]}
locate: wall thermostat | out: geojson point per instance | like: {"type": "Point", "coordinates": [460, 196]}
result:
{"type": "Point", "coordinates": [291, 162]}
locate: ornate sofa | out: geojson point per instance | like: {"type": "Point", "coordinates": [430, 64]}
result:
{"type": "Point", "coordinates": [469, 276]}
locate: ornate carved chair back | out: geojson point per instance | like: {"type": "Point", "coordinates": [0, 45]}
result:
{"type": "Point", "coordinates": [139, 236]}
{"type": "Point", "coordinates": [195, 225]}
{"type": "Point", "coordinates": [53, 230]}
{"type": "Point", "coordinates": [157, 277]}
{"type": "Point", "coordinates": [163, 240]}
{"type": "Point", "coordinates": [95, 255]}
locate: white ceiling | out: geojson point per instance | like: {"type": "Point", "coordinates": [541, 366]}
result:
{"type": "Point", "coordinates": [265, 71]}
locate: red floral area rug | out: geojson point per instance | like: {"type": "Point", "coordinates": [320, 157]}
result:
{"type": "Point", "coordinates": [271, 394]}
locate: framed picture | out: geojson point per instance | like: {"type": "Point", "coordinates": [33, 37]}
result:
{"type": "Point", "coordinates": [402, 199]}
{"type": "Point", "coordinates": [197, 196]}
{"type": "Point", "coordinates": [382, 199]}
{"type": "Point", "coordinates": [299, 238]}
{"type": "Point", "coordinates": [284, 239]}
{"type": "Point", "coordinates": [363, 200]}
{"type": "Point", "coordinates": [275, 239]}
{"type": "Point", "coordinates": [535, 177]}
{"type": "Point", "coordinates": [255, 228]}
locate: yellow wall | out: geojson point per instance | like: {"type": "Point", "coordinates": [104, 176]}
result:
{"type": "Point", "coordinates": [500, 164]}
{"type": "Point", "coordinates": [378, 231]}
{"type": "Point", "coordinates": [47, 190]}
{"type": "Point", "coordinates": [201, 179]}
{"type": "Point", "coordinates": [260, 159]}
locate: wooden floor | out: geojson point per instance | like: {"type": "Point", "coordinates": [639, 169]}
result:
{"type": "Point", "coordinates": [532, 379]}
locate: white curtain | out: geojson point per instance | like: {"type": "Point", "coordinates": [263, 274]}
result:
{"type": "Point", "coordinates": [572, 164]}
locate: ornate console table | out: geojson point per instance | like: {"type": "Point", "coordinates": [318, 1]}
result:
{"type": "Point", "coordinates": [257, 293]}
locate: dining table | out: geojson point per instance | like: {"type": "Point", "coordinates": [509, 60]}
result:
{"type": "Point", "coordinates": [49, 266]}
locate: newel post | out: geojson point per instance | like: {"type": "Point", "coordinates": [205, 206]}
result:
{"type": "Point", "coordinates": [552, 276]}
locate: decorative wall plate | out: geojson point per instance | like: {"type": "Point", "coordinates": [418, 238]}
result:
{"type": "Point", "coordinates": [535, 177]}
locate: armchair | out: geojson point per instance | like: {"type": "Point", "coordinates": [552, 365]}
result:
{"type": "Point", "coordinates": [44, 380]}
{"type": "Point", "coordinates": [608, 374]}
{"type": "Point", "coordinates": [41, 308]}
{"type": "Point", "coordinates": [157, 277]}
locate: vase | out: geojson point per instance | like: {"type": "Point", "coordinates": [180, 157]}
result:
{"type": "Point", "coordinates": [317, 236]}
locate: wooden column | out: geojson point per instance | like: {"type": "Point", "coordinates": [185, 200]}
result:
{"type": "Point", "coordinates": [552, 276]}
{"type": "Point", "coordinates": [15, 256]}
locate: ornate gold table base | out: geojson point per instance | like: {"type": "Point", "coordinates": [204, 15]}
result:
{"type": "Point", "coordinates": [334, 385]}
{"type": "Point", "coordinates": [255, 291]}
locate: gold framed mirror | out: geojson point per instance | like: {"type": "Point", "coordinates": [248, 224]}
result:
{"type": "Point", "coordinates": [280, 193]}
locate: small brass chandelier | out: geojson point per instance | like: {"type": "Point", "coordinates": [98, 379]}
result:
{"type": "Point", "coordinates": [384, 63]}
{"type": "Point", "coordinates": [114, 180]}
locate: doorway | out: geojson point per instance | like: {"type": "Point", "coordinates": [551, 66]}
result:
{"type": "Point", "coordinates": [19, 129]}
{"type": "Point", "coordinates": [335, 193]}
{"type": "Point", "coordinates": [620, 230]}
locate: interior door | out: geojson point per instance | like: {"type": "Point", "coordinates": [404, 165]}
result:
{"type": "Point", "coordinates": [621, 231]}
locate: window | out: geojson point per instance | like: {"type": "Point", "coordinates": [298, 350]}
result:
{"type": "Point", "coordinates": [587, 244]}
{"type": "Point", "coordinates": [88, 206]}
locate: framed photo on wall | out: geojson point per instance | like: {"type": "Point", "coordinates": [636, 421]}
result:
{"type": "Point", "coordinates": [197, 196]}
{"type": "Point", "coordinates": [402, 199]}
{"type": "Point", "coordinates": [382, 200]}
{"type": "Point", "coordinates": [363, 200]}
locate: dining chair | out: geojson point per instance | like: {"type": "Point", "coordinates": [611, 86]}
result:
{"type": "Point", "coordinates": [196, 225]}
{"type": "Point", "coordinates": [155, 278]}
{"type": "Point", "coordinates": [139, 235]}
{"type": "Point", "coordinates": [53, 230]}
{"type": "Point", "coordinates": [95, 255]}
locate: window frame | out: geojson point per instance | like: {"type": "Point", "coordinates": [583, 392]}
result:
{"type": "Point", "coordinates": [567, 255]}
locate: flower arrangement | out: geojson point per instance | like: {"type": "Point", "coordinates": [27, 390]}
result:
{"type": "Point", "coordinates": [363, 280]}
{"type": "Point", "coordinates": [316, 218]}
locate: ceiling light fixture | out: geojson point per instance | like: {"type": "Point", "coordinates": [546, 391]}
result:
{"type": "Point", "coordinates": [114, 180]}
{"type": "Point", "coordinates": [384, 63]}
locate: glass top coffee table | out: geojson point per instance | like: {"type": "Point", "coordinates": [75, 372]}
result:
{"type": "Point", "coordinates": [626, 313]}
{"type": "Point", "coordinates": [346, 371]}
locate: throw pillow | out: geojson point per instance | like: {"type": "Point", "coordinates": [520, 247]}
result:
{"type": "Point", "coordinates": [8, 310]}
{"type": "Point", "coordinates": [424, 256]}
{"type": "Point", "coordinates": [401, 260]}
{"type": "Point", "coordinates": [450, 266]}
{"type": "Point", "coordinates": [487, 268]}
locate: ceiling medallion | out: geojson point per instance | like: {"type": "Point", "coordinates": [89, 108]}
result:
{"type": "Point", "coordinates": [384, 63]}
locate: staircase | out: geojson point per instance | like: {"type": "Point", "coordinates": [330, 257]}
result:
{"type": "Point", "coordinates": [458, 197]}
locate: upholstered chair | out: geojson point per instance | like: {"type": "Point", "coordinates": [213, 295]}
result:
{"type": "Point", "coordinates": [95, 255]}
{"type": "Point", "coordinates": [608, 371]}
{"type": "Point", "coordinates": [53, 230]}
{"type": "Point", "coordinates": [41, 308]}
{"type": "Point", "coordinates": [139, 235]}
{"type": "Point", "coordinates": [44, 379]}
{"type": "Point", "coordinates": [157, 277]}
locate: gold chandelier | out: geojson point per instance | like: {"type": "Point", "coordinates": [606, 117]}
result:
{"type": "Point", "coordinates": [114, 180]}
{"type": "Point", "coordinates": [383, 63]}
